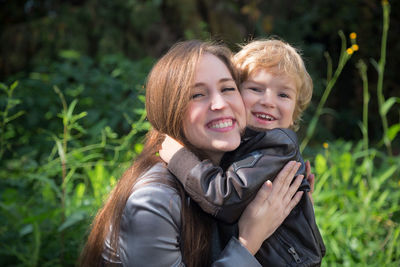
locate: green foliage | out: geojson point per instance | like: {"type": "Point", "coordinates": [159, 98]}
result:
{"type": "Point", "coordinates": [358, 215]}
{"type": "Point", "coordinates": [7, 131]}
{"type": "Point", "coordinates": [75, 140]}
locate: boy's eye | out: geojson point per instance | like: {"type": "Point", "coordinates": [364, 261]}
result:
{"type": "Point", "coordinates": [284, 95]}
{"type": "Point", "coordinates": [254, 89]}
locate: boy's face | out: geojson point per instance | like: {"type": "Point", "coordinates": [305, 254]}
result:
{"type": "Point", "coordinates": [269, 100]}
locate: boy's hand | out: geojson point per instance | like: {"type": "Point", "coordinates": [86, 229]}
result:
{"type": "Point", "coordinates": [168, 148]}
{"type": "Point", "coordinates": [310, 179]}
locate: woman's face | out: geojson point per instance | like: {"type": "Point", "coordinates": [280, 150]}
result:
{"type": "Point", "coordinates": [215, 115]}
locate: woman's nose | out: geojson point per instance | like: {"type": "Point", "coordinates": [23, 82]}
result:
{"type": "Point", "coordinates": [217, 102]}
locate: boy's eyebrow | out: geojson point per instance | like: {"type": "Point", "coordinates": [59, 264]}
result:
{"type": "Point", "coordinates": [251, 81]}
{"type": "Point", "coordinates": [289, 88]}
{"type": "Point", "coordinates": [261, 84]}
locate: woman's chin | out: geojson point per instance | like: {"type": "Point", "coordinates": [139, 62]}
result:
{"type": "Point", "coordinates": [226, 145]}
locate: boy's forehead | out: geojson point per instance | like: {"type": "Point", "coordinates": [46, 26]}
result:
{"type": "Point", "coordinates": [263, 76]}
{"type": "Point", "coordinates": [257, 73]}
{"type": "Point", "coordinates": [274, 70]}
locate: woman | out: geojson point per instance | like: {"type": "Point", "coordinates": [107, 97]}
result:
{"type": "Point", "coordinates": [191, 95]}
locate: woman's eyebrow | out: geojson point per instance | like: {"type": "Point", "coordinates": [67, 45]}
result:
{"type": "Point", "coordinates": [225, 80]}
{"type": "Point", "coordinates": [199, 84]}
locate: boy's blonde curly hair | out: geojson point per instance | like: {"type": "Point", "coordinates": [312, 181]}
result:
{"type": "Point", "coordinates": [277, 57]}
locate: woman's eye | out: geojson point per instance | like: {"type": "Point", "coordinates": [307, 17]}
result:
{"type": "Point", "coordinates": [228, 89]}
{"type": "Point", "coordinates": [194, 96]}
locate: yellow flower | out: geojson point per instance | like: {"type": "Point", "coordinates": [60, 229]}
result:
{"type": "Point", "coordinates": [325, 145]}
{"type": "Point", "coordinates": [354, 47]}
{"type": "Point", "coordinates": [349, 51]}
{"type": "Point", "coordinates": [353, 35]}
{"type": "Point", "coordinates": [385, 2]}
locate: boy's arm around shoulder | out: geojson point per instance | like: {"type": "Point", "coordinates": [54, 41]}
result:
{"type": "Point", "coordinates": [225, 194]}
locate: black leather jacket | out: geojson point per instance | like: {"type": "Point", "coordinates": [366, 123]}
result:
{"type": "Point", "coordinates": [150, 228]}
{"type": "Point", "coordinates": [225, 191]}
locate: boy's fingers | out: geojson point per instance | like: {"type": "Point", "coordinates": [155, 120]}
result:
{"type": "Point", "coordinates": [311, 180]}
{"type": "Point", "coordinates": [308, 168]}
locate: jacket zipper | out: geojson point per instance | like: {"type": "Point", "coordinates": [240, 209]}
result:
{"type": "Point", "coordinates": [292, 251]}
{"type": "Point", "coordinates": [294, 254]}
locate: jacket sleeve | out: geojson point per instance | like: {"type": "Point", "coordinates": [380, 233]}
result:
{"type": "Point", "coordinates": [150, 231]}
{"type": "Point", "coordinates": [225, 194]}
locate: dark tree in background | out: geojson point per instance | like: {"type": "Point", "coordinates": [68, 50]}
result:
{"type": "Point", "coordinates": [34, 32]}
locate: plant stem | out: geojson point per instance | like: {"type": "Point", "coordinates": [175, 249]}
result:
{"type": "Point", "coordinates": [362, 68]}
{"type": "Point", "coordinates": [63, 164]}
{"type": "Point", "coordinates": [344, 57]}
{"type": "Point", "coordinates": [381, 70]}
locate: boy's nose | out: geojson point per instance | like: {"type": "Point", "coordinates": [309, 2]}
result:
{"type": "Point", "coordinates": [268, 99]}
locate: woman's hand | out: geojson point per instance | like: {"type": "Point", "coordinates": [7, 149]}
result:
{"type": "Point", "coordinates": [311, 180]}
{"type": "Point", "coordinates": [168, 148]}
{"type": "Point", "coordinates": [269, 208]}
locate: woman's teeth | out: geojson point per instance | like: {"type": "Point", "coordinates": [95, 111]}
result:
{"type": "Point", "coordinates": [220, 125]}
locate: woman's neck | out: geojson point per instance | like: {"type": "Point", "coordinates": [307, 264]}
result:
{"type": "Point", "coordinates": [215, 158]}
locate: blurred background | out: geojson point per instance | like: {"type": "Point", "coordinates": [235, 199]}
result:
{"type": "Point", "coordinates": [72, 112]}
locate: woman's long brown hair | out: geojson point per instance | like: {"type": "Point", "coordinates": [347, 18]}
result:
{"type": "Point", "coordinates": [168, 90]}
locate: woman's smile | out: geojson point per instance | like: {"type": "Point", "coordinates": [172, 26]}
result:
{"type": "Point", "coordinates": [222, 124]}
{"type": "Point", "coordinates": [215, 116]}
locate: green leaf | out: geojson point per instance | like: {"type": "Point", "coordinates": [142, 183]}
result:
{"type": "Point", "coordinates": [345, 164]}
{"type": "Point", "coordinates": [393, 131]}
{"type": "Point", "coordinates": [384, 176]}
{"type": "Point", "coordinates": [4, 87]}
{"type": "Point", "coordinates": [381, 200]}
{"type": "Point", "coordinates": [388, 104]}
{"type": "Point", "coordinates": [71, 109]}
{"type": "Point", "coordinates": [13, 86]}
{"type": "Point", "coordinates": [27, 229]}
{"type": "Point", "coordinates": [60, 150]}
{"type": "Point", "coordinates": [70, 54]}
{"type": "Point", "coordinates": [42, 178]}
{"type": "Point", "coordinates": [14, 116]}
{"type": "Point", "coordinates": [72, 219]}
{"type": "Point", "coordinates": [375, 64]}
{"type": "Point", "coordinates": [80, 192]}
{"type": "Point", "coordinates": [320, 164]}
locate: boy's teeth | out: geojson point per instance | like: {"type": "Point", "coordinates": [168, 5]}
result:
{"type": "Point", "coordinates": [222, 124]}
{"type": "Point", "coordinates": [264, 116]}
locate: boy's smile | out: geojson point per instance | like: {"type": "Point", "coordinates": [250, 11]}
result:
{"type": "Point", "coordinates": [270, 100]}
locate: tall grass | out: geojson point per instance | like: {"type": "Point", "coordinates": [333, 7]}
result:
{"type": "Point", "coordinates": [358, 215]}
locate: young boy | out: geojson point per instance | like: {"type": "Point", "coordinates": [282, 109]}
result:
{"type": "Point", "coordinates": [276, 89]}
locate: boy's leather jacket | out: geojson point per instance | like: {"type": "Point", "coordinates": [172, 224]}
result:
{"type": "Point", "coordinates": [224, 191]}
